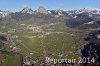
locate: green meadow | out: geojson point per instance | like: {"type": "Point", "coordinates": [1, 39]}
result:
{"type": "Point", "coordinates": [55, 41]}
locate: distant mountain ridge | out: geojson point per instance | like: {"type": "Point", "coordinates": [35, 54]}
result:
{"type": "Point", "coordinates": [55, 13]}
{"type": "Point", "coordinates": [73, 18]}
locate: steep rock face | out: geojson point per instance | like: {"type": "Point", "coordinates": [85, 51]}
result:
{"type": "Point", "coordinates": [42, 10]}
{"type": "Point", "coordinates": [27, 10]}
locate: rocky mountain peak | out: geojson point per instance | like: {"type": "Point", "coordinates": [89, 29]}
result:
{"type": "Point", "coordinates": [41, 9]}
{"type": "Point", "coordinates": [27, 10]}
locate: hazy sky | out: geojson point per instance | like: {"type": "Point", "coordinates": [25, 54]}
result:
{"type": "Point", "coordinates": [17, 5]}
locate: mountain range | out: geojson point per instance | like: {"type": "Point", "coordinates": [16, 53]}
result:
{"type": "Point", "coordinates": [73, 18]}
